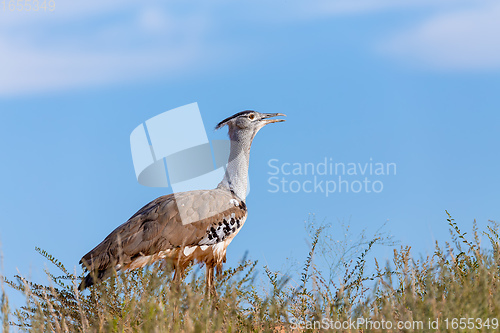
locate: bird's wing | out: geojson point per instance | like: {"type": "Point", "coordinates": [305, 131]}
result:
{"type": "Point", "coordinates": [171, 221]}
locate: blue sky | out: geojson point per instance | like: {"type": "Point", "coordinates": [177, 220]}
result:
{"type": "Point", "coordinates": [413, 83]}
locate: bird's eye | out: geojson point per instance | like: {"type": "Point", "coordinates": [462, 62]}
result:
{"type": "Point", "coordinates": [251, 116]}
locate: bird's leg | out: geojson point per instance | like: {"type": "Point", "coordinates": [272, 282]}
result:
{"type": "Point", "coordinates": [209, 276]}
{"type": "Point", "coordinates": [175, 287]}
{"type": "Point", "coordinates": [178, 277]}
{"type": "Point", "coordinates": [219, 270]}
{"type": "Point", "coordinates": [210, 287]}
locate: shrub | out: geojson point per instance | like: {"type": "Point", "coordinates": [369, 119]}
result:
{"type": "Point", "coordinates": [460, 280]}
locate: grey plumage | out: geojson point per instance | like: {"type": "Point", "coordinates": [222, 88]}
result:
{"type": "Point", "coordinates": [194, 226]}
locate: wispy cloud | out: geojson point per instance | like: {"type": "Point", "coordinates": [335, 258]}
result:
{"type": "Point", "coordinates": [466, 39]}
{"type": "Point", "coordinates": [94, 42]}
{"type": "Point", "coordinates": [44, 52]}
{"type": "Point", "coordinates": [28, 70]}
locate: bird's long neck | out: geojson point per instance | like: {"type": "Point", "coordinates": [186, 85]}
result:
{"type": "Point", "coordinates": [236, 177]}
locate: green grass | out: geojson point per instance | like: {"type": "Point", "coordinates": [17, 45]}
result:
{"type": "Point", "coordinates": [431, 294]}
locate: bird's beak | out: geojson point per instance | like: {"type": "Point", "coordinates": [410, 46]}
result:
{"type": "Point", "coordinates": [266, 121]}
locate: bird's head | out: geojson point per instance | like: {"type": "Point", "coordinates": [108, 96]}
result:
{"type": "Point", "coordinates": [248, 123]}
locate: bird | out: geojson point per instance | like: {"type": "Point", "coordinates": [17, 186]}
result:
{"type": "Point", "coordinates": [187, 227]}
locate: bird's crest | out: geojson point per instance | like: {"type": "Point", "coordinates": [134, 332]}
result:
{"type": "Point", "coordinates": [225, 121]}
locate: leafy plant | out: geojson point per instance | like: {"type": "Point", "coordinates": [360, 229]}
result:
{"type": "Point", "coordinates": [460, 280]}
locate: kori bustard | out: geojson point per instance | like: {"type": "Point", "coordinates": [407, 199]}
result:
{"type": "Point", "coordinates": [186, 227]}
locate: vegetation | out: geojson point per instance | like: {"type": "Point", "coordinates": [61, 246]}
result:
{"type": "Point", "coordinates": [455, 289]}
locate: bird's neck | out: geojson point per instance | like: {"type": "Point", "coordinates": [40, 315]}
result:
{"type": "Point", "coordinates": [236, 176]}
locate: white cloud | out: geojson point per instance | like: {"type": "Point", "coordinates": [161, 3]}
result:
{"type": "Point", "coordinates": [465, 39]}
{"type": "Point", "coordinates": [65, 11]}
{"type": "Point", "coordinates": [93, 42]}
{"type": "Point", "coordinates": [154, 20]}
{"type": "Point", "coordinates": [47, 53]}
{"type": "Point", "coordinates": [298, 9]}
{"type": "Point", "coordinates": [26, 70]}
{"type": "Point", "coordinates": [328, 7]}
